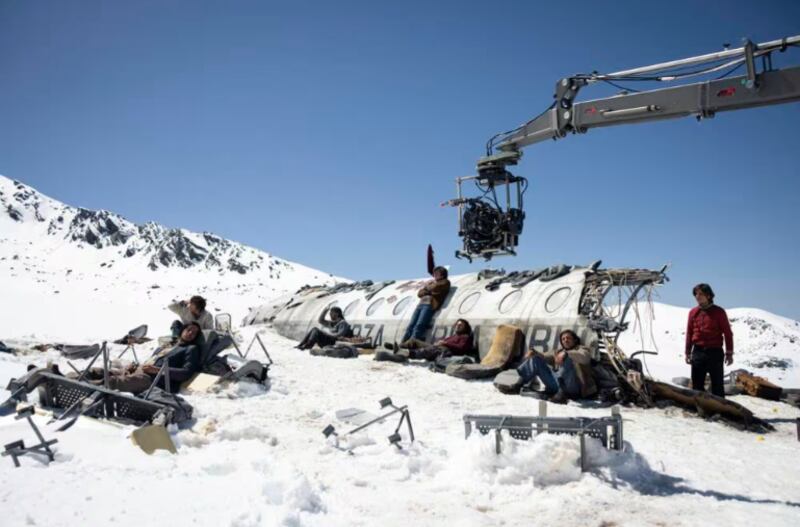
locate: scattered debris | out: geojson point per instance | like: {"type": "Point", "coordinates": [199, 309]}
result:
{"type": "Point", "coordinates": [405, 416]}
{"type": "Point", "coordinates": [18, 449]}
{"type": "Point", "coordinates": [757, 386]}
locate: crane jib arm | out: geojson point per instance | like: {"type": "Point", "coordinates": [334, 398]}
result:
{"type": "Point", "coordinates": [702, 99]}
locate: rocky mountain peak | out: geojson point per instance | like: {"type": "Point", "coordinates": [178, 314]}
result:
{"type": "Point", "coordinates": [158, 246]}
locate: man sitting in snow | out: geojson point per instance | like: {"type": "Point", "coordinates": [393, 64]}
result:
{"type": "Point", "coordinates": [566, 372]}
{"type": "Point", "coordinates": [337, 328]}
{"type": "Point", "coordinates": [184, 361]}
{"type": "Point", "coordinates": [460, 343]}
{"type": "Point", "coordinates": [192, 310]}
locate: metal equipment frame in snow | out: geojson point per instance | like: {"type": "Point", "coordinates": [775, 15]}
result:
{"type": "Point", "coordinates": [18, 449]}
{"type": "Point", "coordinates": [394, 438]}
{"type": "Point", "coordinates": [82, 398]}
{"type": "Point", "coordinates": [607, 429]}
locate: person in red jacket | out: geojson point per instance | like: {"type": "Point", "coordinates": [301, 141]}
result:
{"type": "Point", "coordinates": [458, 344]}
{"type": "Point", "coordinates": [706, 330]}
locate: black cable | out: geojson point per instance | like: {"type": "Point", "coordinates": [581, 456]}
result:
{"type": "Point", "coordinates": [657, 78]}
{"type": "Point", "coordinates": [491, 142]}
{"type": "Point", "coordinates": [494, 198]}
{"type": "Point", "coordinates": [621, 87]}
{"type": "Point", "coordinates": [729, 71]}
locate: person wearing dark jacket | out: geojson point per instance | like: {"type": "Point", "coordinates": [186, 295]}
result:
{"type": "Point", "coordinates": [337, 328]}
{"type": "Point", "coordinates": [706, 331]}
{"type": "Point", "coordinates": [460, 343]}
{"type": "Point", "coordinates": [184, 361]}
{"type": "Point", "coordinates": [431, 297]}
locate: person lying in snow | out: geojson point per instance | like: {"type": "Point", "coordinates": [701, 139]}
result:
{"type": "Point", "coordinates": [460, 343]}
{"type": "Point", "coordinates": [337, 328]}
{"type": "Point", "coordinates": [192, 310]}
{"type": "Point", "coordinates": [431, 297]}
{"type": "Point", "coordinates": [566, 372]}
{"type": "Point", "coordinates": [184, 361]}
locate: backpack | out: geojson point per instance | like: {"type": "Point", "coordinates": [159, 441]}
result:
{"type": "Point", "coordinates": [441, 363]}
{"type": "Point", "coordinates": [337, 351]}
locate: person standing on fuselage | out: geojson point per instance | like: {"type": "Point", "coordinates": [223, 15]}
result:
{"type": "Point", "coordinates": [706, 330]}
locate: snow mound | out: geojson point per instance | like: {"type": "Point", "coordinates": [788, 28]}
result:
{"type": "Point", "coordinates": [545, 461]}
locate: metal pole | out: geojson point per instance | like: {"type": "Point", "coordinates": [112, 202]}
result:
{"type": "Point", "coordinates": [264, 348]}
{"type": "Point", "coordinates": [379, 418]}
{"type": "Point", "coordinates": [540, 427]}
{"type": "Point", "coordinates": [36, 430]}
{"type": "Point", "coordinates": [88, 366]}
{"type": "Point", "coordinates": [708, 57]}
{"type": "Point", "coordinates": [105, 365]}
{"type": "Point", "coordinates": [236, 346]}
{"type": "Point", "coordinates": [166, 377]}
{"type": "Point", "coordinates": [583, 452]}
{"type": "Point", "coordinates": [407, 415]}
{"type": "Point", "coordinates": [158, 376]}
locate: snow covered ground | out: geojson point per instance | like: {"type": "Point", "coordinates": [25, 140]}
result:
{"type": "Point", "coordinates": [765, 344]}
{"type": "Point", "coordinates": [256, 456]}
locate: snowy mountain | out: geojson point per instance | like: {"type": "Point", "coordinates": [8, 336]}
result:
{"type": "Point", "coordinates": [73, 273]}
{"type": "Point", "coordinates": [765, 344]}
{"type": "Point", "coordinates": [51, 222]}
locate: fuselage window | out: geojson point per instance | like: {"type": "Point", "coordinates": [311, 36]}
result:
{"type": "Point", "coordinates": [351, 307]}
{"type": "Point", "coordinates": [401, 306]}
{"type": "Point", "coordinates": [510, 301]}
{"type": "Point", "coordinates": [375, 305]}
{"type": "Point", "coordinates": [468, 303]}
{"type": "Point", "coordinates": [557, 299]}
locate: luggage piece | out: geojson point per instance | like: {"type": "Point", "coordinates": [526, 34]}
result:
{"type": "Point", "coordinates": [758, 387]}
{"type": "Point", "coordinates": [137, 335]}
{"type": "Point", "coordinates": [508, 344]}
{"type": "Point", "coordinates": [200, 383]}
{"type": "Point", "coordinates": [153, 437]}
{"type": "Point", "coordinates": [440, 364]}
{"type": "Point", "coordinates": [79, 352]}
{"type": "Point", "coordinates": [337, 351]}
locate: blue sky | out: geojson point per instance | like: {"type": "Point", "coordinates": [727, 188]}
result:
{"type": "Point", "coordinates": [328, 132]}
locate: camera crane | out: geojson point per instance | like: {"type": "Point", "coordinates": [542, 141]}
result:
{"type": "Point", "coordinates": [489, 228]}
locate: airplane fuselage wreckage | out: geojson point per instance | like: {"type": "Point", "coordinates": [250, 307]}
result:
{"type": "Point", "coordinates": [542, 303]}
{"type": "Point", "coordinates": [595, 303]}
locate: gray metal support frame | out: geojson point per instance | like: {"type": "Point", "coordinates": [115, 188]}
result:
{"type": "Point", "coordinates": [256, 338]}
{"type": "Point", "coordinates": [702, 99]}
{"type": "Point", "coordinates": [18, 448]}
{"type": "Point", "coordinates": [607, 429]}
{"type": "Point", "coordinates": [394, 438]}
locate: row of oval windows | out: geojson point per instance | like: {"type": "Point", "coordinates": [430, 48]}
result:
{"type": "Point", "coordinates": [553, 303]}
